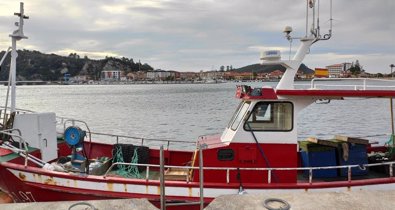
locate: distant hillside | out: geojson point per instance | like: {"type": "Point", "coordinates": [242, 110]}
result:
{"type": "Point", "coordinates": [34, 65]}
{"type": "Point", "coordinates": [258, 68]}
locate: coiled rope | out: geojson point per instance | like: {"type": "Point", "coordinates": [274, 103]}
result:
{"type": "Point", "coordinates": [91, 207]}
{"type": "Point", "coordinates": [276, 204]}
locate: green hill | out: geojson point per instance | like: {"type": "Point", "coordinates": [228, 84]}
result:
{"type": "Point", "coordinates": [34, 65]}
{"type": "Point", "coordinates": [258, 68]}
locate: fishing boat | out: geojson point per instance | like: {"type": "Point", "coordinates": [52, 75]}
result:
{"type": "Point", "coordinates": [258, 152]}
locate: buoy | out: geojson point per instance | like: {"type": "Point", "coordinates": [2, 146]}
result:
{"type": "Point", "coordinates": [5, 198]}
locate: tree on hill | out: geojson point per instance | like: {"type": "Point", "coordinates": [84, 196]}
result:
{"type": "Point", "coordinates": [258, 68]}
{"type": "Point", "coordinates": [34, 65]}
{"type": "Point", "coordinates": [356, 68]}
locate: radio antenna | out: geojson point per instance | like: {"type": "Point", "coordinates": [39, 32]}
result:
{"type": "Point", "coordinates": [17, 35]}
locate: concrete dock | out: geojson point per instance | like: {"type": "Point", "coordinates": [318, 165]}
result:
{"type": "Point", "coordinates": [360, 200]}
{"type": "Point", "coordinates": [127, 204]}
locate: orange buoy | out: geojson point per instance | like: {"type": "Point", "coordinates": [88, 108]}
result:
{"type": "Point", "coordinates": [5, 198]}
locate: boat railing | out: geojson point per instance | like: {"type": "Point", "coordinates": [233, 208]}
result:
{"type": "Point", "coordinates": [62, 121]}
{"type": "Point", "coordinates": [22, 143]}
{"type": "Point", "coordinates": [143, 140]}
{"type": "Point", "coordinates": [361, 83]}
{"type": "Point", "coordinates": [5, 113]}
{"type": "Point", "coordinates": [118, 137]}
{"type": "Point", "coordinates": [269, 170]}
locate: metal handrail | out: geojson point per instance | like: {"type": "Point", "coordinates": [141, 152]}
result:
{"type": "Point", "coordinates": [163, 203]}
{"type": "Point", "coordinates": [20, 110]}
{"type": "Point", "coordinates": [60, 120]}
{"type": "Point", "coordinates": [21, 141]}
{"type": "Point", "coordinates": [310, 169]}
{"type": "Point", "coordinates": [363, 85]}
{"type": "Point", "coordinates": [142, 139]}
{"type": "Point", "coordinates": [64, 120]}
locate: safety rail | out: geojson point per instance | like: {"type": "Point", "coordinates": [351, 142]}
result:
{"type": "Point", "coordinates": [22, 141]}
{"type": "Point", "coordinates": [64, 120]}
{"type": "Point", "coordinates": [142, 139]}
{"type": "Point", "coordinates": [269, 170]}
{"type": "Point", "coordinates": [363, 86]}
{"type": "Point", "coordinates": [17, 110]}
{"type": "Point", "coordinates": [5, 113]}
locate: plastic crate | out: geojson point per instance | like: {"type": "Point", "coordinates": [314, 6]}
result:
{"type": "Point", "coordinates": [357, 156]}
{"type": "Point", "coordinates": [320, 159]}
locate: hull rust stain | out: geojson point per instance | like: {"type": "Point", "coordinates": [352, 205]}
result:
{"type": "Point", "coordinates": [37, 177]}
{"type": "Point", "coordinates": [50, 181]}
{"type": "Point", "coordinates": [110, 186]}
{"type": "Point", "coordinates": [22, 176]}
{"type": "Point", "coordinates": [190, 191]}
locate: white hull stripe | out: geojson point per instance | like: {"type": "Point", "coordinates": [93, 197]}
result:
{"type": "Point", "coordinates": [170, 190]}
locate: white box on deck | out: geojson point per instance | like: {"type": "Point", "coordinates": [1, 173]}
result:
{"type": "Point", "coordinates": [39, 130]}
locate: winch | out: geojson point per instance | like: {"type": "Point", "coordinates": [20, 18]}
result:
{"type": "Point", "coordinates": [74, 137]}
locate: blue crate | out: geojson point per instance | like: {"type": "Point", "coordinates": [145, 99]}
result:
{"type": "Point", "coordinates": [357, 156]}
{"type": "Point", "coordinates": [320, 159]}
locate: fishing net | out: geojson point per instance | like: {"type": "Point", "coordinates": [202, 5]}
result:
{"type": "Point", "coordinates": [129, 171]}
{"type": "Point", "coordinates": [390, 147]}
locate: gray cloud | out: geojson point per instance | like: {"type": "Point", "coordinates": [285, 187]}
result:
{"type": "Point", "coordinates": [204, 34]}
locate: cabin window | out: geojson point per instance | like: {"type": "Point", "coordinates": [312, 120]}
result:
{"type": "Point", "coordinates": [239, 115]}
{"type": "Point", "coordinates": [270, 116]}
{"type": "Point", "coordinates": [225, 154]}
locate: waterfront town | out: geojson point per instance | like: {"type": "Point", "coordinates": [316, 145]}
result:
{"type": "Point", "coordinates": [40, 68]}
{"type": "Point", "coordinates": [342, 70]}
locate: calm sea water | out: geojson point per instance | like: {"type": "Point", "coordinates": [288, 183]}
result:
{"type": "Point", "coordinates": [187, 111]}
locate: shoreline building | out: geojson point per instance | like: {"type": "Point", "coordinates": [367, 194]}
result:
{"type": "Point", "coordinates": [338, 70]}
{"type": "Point", "coordinates": [114, 75]}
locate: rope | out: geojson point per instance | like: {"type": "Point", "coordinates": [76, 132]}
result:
{"type": "Point", "coordinates": [261, 151]}
{"type": "Point", "coordinates": [134, 169]}
{"type": "Point", "coordinates": [129, 171]}
{"type": "Point", "coordinates": [390, 146]}
{"type": "Point", "coordinates": [281, 204]}
{"type": "Point", "coordinates": [91, 207]}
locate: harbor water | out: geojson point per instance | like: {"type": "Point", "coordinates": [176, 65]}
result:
{"type": "Point", "coordinates": [187, 111]}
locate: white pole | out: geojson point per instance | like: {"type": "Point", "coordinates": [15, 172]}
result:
{"type": "Point", "coordinates": [16, 36]}
{"type": "Point", "coordinates": [14, 55]}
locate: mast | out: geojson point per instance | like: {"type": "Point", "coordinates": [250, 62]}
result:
{"type": "Point", "coordinates": [292, 65]}
{"type": "Point", "coordinates": [17, 35]}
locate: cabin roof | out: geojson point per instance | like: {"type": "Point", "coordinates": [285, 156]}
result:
{"type": "Point", "coordinates": [339, 93]}
{"type": "Point", "coordinates": [247, 93]}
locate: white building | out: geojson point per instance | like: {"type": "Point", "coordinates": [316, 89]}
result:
{"type": "Point", "coordinates": [159, 75]}
{"type": "Point", "coordinates": [113, 75]}
{"type": "Point", "coordinates": [337, 70]}
{"type": "Point", "coordinates": [79, 79]}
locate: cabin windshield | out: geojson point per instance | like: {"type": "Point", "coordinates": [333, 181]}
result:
{"type": "Point", "coordinates": [270, 116]}
{"type": "Point", "coordinates": [238, 116]}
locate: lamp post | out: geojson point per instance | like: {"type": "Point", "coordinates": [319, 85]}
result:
{"type": "Point", "coordinates": [392, 66]}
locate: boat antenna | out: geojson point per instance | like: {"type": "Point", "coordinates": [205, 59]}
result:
{"type": "Point", "coordinates": [315, 29]}
{"type": "Point", "coordinates": [318, 19]}
{"type": "Point", "coordinates": [17, 35]}
{"type": "Point", "coordinates": [307, 17]}
{"type": "Point", "coordinates": [329, 34]}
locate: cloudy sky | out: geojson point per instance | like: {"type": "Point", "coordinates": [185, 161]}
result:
{"type": "Point", "coordinates": [198, 35]}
